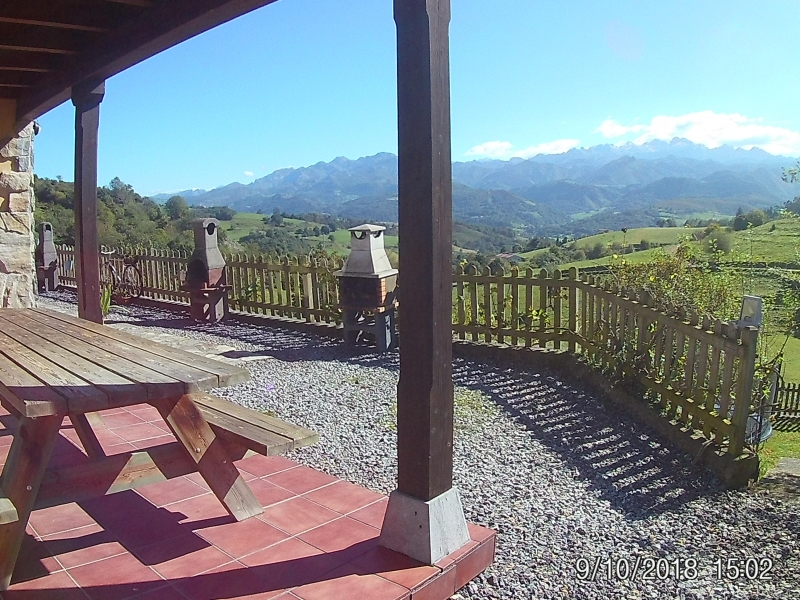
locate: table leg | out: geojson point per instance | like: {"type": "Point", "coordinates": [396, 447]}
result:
{"type": "Point", "coordinates": [22, 475]}
{"type": "Point", "coordinates": [214, 464]}
{"type": "Point", "coordinates": [86, 435]}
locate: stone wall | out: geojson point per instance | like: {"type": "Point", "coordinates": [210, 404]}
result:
{"type": "Point", "coordinates": [17, 269]}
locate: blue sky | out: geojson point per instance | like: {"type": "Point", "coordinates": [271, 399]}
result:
{"type": "Point", "coordinates": [302, 81]}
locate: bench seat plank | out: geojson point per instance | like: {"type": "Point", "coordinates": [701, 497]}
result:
{"type": "Point", "coordinates": [253, 429]}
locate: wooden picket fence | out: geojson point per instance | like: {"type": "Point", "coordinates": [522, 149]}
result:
{"type": "Point", "coordinates": [299, 288]}
{"type": "Point", "coordinates": [787, 400]}
{"type": "Point", "coordinates": [697, 370]}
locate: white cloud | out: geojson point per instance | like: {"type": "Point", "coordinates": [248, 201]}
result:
{"type": "Point", "coordinates": [249, 174]}
{"type": "Point", "coordinates": [506, 149]}
{"type": "Point", "coordinates": [491, 149]}
{"type": "Point", "coordinates": [712, 129]}
{"type": "Point", "coordinates": [555, 147]}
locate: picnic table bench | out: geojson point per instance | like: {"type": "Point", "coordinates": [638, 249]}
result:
{"type": "Point", "coordinates": [54, 366]}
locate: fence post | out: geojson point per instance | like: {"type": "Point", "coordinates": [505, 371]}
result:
{"type": "Point", "coordinates": [744, 391]}
{"type": "Point", "coordinates": [572, 308]}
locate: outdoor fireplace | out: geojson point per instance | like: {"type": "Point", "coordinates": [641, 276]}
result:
{"type": "Point", "coordinates": [367, 288]}
{"type": "Point", "coordinates": [205, 275]}
{"type": "Point", "coordinates": [46, 259]}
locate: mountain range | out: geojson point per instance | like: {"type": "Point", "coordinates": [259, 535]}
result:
{"type": "Point", "coordinates": [578, 191]}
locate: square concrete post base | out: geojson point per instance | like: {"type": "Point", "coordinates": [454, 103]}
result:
{"type": "Point", "coordinates": [425, 531]}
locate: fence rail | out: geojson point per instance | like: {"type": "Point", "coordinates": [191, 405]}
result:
{"type": "Point", "coordinates": [697, 370]}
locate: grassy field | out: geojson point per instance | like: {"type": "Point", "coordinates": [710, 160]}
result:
{"type": "Point", "coordinates": [763, 243]}
{"type": "Point", "coordinates": [654, 235]}
{"type": "Point", "coordinates": [244, 223]}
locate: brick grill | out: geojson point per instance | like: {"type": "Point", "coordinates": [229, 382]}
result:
{"type": "Point", "coordinates": [367, 289]}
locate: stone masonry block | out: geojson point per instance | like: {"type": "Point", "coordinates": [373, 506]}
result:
{"type": "Point", "coordinates": [16, 182]}
{"type": "Point", "coordinates": [17, 222]}
{"type": "Point", "coordinates": [15, 202]}
{"type": "Point", "coordinates": [16, 254]}
{"type": "Point", "coordinates": [23, 164]}
{"type": "Point", "coordinates": [18, 146]}
{"type": "Point", "coordinates": [16, 290]}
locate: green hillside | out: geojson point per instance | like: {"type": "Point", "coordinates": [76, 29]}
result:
{"type": "Point", "coordinates": [654, 235]}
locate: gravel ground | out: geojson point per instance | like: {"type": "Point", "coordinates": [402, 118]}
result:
{"type": "Point", "coordinates": [568, 483]}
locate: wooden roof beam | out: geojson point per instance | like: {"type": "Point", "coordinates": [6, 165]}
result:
{"type": "Point", "coordinates": [55, 24]}
{"type": "Point", "coordinates": [166, 24]}
{"type": "Point", "coordinates": [66, 14]}
{"type": "Point", "coordinates": [27, 38]}
{"type": "Point", "coordinates": [142, 3]}
{"type": "Point", "coordinates": [31, 62]}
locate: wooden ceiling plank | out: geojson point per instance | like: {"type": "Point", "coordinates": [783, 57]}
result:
{"type": "Point", "coordinates": [28, 61]}
{"type": "Point", "coordinates": [80, 15]}
{"type": "Point", "coordinates": [163, 26]}
{"type": "Point", "coordinates": [28, 38]}
{"type": "Point", "coordinates": [35, 49]}
{"type": "Point", "coordinates": [55, 24]}
{"type": "Point", "coordinates": [142, 3]}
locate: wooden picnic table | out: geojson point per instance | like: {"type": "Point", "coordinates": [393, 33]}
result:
{"type": "Point", "coordinates": [54, 366]}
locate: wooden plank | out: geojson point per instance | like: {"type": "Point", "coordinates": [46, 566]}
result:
{"type": "Point", "coordinates": [460, 309]}
{"type": "Point", "coordinates": [114, 390]}
{"type": "Point", "coordinates": [191, 429]}
{"type": "Point", "coordinates": [298, 436]}
{"type": "Point", "coordinates": [557, 308]}
{"type": "Point", "coordinates": [487, 304]}
{"type": "Point", "coordinates": [572, 308]}
{"type": "Point", "coordinates": [224, 373]}
{"type": "Point", "coordinates": [473, 302]}
{"type": "Point", "coordinates": [500, 294]}
{"type": "Point", "coordinates": [86, 435]}
{"type": "Point", "coordinates": [22, 475]}
{"type": "Point", "coordinates": [29, 396]}
{"type": "Point", "coordinates": [542, 306]}
{"type": "Point", "coordinates": [119, 360]}
{"type": "Point", "coordinates": [73, 389]}
{"type": "Point", "coordinates": [528, 304]}
{"type": "Point", "coordinates": [515, 283]}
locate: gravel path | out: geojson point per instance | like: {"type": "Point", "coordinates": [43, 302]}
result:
{"type": "Point", "coordinates": [554, 469]}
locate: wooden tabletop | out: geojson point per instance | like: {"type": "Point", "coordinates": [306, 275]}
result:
{"type": "Point", "coordinates": [52, 363]}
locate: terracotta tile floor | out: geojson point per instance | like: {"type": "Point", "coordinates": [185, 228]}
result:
{"type": "Point", "coordinates": [317, 538]}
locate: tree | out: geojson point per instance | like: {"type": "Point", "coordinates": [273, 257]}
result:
{"type": "Point", "coordinates": [276, 218]}
{"type": "Point", "coordinates": [177, 208]}
{"type": "Point", "coordinates": [740, 222]}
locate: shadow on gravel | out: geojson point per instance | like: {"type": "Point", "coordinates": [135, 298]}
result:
{"type": "Point", "coordinates": [624, 462]}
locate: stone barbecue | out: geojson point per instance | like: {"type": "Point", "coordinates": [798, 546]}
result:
{"type": "Point", "coordinates": [367, 288]}
{"type": "Point", "coordinates": [205, 274]}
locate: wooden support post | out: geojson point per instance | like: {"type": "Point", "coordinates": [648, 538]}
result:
{"type": "Point", "coordinates": [208, 452]}
{"type": "Point", "coordinates": [86, 98]}
{"type": "Point", "coordinates": [22, 476]}
{"type": "Point", "coordinates": [425, 391]}
{"type": "Point", "coordinates": [424, 518]}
